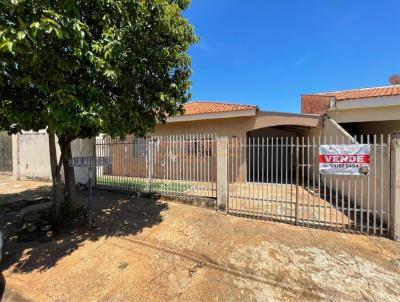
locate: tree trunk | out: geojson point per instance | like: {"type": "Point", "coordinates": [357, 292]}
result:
{"type": "Point", "coordinates": [56, 177]}
{"type": "Point", "coordinates": [69, 173]}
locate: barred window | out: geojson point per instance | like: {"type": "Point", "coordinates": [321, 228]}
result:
{"type": "Point", "coordinates": [199, 147]}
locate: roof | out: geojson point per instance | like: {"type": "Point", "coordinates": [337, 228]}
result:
{"type": "Point", "coordinates": [202, 107]}
{"type": "Point", "coordinates": [360, 93]}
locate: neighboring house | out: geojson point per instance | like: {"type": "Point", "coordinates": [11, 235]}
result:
{"type": "Point", "coordinates": [374, 110]}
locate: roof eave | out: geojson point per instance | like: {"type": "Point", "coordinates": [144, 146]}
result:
{"type": "Point", "coordinates": [212, 115]}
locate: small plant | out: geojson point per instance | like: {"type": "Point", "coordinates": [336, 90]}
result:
{"type": "Point", "coordinates": [123, 265]}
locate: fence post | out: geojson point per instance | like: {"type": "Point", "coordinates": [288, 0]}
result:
{"type": "Point", "coordinates": [222, 173]}
{"type": "Point", "coordinates": [395, 186]}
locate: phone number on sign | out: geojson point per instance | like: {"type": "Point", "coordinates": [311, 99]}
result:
{"type": "Point", "coordinates": [344, 165]}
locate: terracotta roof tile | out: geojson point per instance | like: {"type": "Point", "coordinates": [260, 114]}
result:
{"type": "Point", "coordinates": [200, 107]}
{"type": "Point", "coordinates": [363, 92]}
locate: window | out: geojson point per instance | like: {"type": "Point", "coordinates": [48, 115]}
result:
{"type": "Point", "coordinates": [199, 147]}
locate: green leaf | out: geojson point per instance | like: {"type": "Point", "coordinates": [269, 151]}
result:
{"type": "Point", "coordinates": [35, 25]}
{"type": "Point", "coordinates": [51, 21]}
{"type": "Point", "coordinates": [110, 74]}
{"type": "Point", "coordinates": [7, 44]}
{"type": "Point", "coordinates": [21, 35]}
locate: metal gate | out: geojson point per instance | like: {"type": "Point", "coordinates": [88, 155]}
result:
{"type": "Point", "coordinates": [278, 178]}
{"type": "Point", "coordinates": [171, 165]}
{"type": "Point", "coordinates": [5, 153]}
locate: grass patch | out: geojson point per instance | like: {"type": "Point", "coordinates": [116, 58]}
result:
{"type": "Point", "coordinates": [143, 185]}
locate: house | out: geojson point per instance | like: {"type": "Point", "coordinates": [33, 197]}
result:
{"type": "Point", "coordinates": [339, 114]}
{"type": "Point", "coordinates": [203, 120]}
{"type": "Point", "coordinates": [362, 111]}
{"type": "Point", "coordinates": [235, 120]}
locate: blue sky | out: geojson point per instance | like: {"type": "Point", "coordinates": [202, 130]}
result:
{"type": "Point", "coordinates": [268, 52]}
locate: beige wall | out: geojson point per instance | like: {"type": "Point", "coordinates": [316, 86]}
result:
{"type": "Point", "coordinates": [239, 126]}
{"type": "Point", "coordinates": [371, 114]}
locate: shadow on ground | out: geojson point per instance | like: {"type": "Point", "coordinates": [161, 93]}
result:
{"type": "Point", "coordinates": [113, 215]}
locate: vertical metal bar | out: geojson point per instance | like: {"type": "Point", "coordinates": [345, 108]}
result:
{"type": "Point", "coordinates": [183, 165]}
{"type": "Point", "coordinates": [174, 165]}
{"type": "Point", "coordinates": [302, 176]}
{"type": "Point", "coordinates": [375, 184]}
{"type": "Point", "coordinates": [238, 182]}
{"type": "Point", "coordinates": [337, 190]}
{"type": "Point", "coordinates": [268, 180]}
{"type": "Point", "coordinates": [254, 173]}
{"type": "Point", "coordinates": [262, 176]}
{"type": "Point", "coordinates": [178, 163]}
{"type": "Point", "coordinates": [343, 192]}
{"type": "Point", "coordinates": [231, 174]}
{"type": "Point", "coordinates": [381, 185]}
{"type": "Point", "coordinates": [308, 181]}
{"type": "Point", "coordinates": [286, 177]}
{"type": "Point", "coordinates": [349, 194]}
{"type": "Point", "coordinates": [197, 163]}
{"type": "Point", "coordinates": [276, 175]}
{"type": "Point", "coordinates": [291, 178]}
{"type": "Point", "coordinates": [368, 192]}
{"type": "Point", "coordinates": [170, 166]}
{"type": "Point", "coordinates": [281, 177]}
{"type": "Point", "coordinates": [153, 159]}
{"type": "Point", "coordinates": [296, 217]}
{"type": "Point", "coordinates": [248, 177]}
{"type": "Point", "coordinates": [191, 167]}
{"type": "Point", "coordinates": [355, 194]}
{"type": "Point", "coordinates": [258, 176]}
{"type": "Point", "coordinates": [209, 154]}
{"type": "Point", "coordinates": [313, 178]}
{"type": "Point", "coordinates": [362, 196]}
{"type": "Point", "coordinates": [169, 156]}
{"type": "Point", "coordinates": [272, 177]}
{"type": "Point", "coordinates": [242, 167]}
{"type": "Point", "coordinates": [325, 198]}
{"type": "Point", "coordinates": [120, 155]}
{"type": "Point", "coordinates": [330, 193]}
{"type": "Point", "coordinates": [202, 158]}
{"type": "Point", "coordinates": [388, 200]}
{"type": "Point", "coordinates": [237, 172]}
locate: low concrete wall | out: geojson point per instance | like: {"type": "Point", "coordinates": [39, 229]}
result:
{"type": "Point", "coordinates": [31, 158]}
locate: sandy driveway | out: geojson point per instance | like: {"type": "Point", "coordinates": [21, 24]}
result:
{"type": "Point", "coordinates": [143, 250]}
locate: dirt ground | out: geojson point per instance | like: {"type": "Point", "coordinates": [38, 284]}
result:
{"type": "Point", "coordinates": [151, 250]}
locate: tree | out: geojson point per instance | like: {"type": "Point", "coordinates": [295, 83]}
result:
{"type": "Point", "coordinates": [84, 67]}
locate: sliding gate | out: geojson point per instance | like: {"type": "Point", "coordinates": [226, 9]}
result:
{"type": "Point", "coordinates": [278, 178]}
